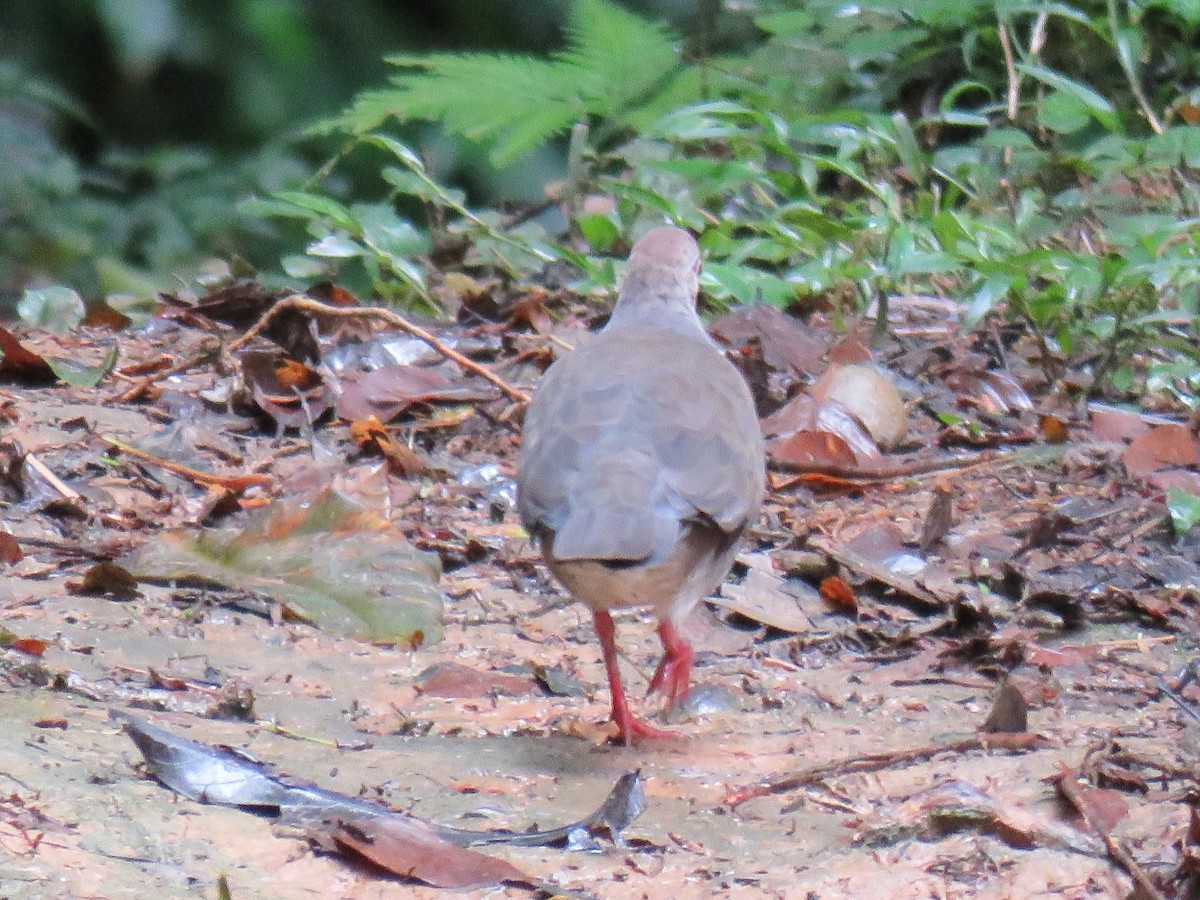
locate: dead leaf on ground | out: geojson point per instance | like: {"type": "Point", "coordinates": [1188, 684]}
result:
{"type": "Point", "coordinates": [411, 850]}
{"type": "Point", "coordinates": [388, 391]}
{"type": "Point", "coordinates": [291, 393]}
{"type": "Point", "coordinates": [1163, 447]}
{"type": "Point", "coordinates": [870, 397]}
{"type": "Point", "coordinates": [329, 560]}
{"type": "Point", "coordinates": [811, 449]}
{"type": "Point", "coordinates": [787, 345]}
{"type": "Point", "coordinates": [1117, 425]}
{"type": "Point", "coordinates": [17, 363]}
{"type": "Point", "coordinates": [1010, 714]}
{"type": "Point", "coordinates": [453, 679]}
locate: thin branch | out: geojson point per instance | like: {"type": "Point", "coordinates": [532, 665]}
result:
{"type": "Point", "coordinates": [1069, 789]}
{"type": "Point", "coordinates": [1127, 64]}
{"type": "Point", "coordinates": [1014, 77]}
{"type": "Point", "coordinates": [304, 304]}
{"type": "Point", "coordinates": [873, 762]}
{"type": "Point", "coordinates": [53, 480]}
{"type": "Point", "coordinates": [228, 482]}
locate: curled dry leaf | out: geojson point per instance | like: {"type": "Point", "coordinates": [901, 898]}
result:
{"type": "Point", "coordinates": [291, 393]}
{"type": "Point", "coordinates": [106, 579]}
{"type": "Point", "coordinates": [939, 520]}
{"type": "Point", "coordinates": [997, 392]}
{"type": "Point", "coordinates": [811, 449]}
{"type": "Point", "coordinates": [838, 594]}
{"type": "Point", "coordinates": [1054, 429]}
{"type": "Point", "coordinates": [10, 549]}
{"type": "Point", "coordinates": [811, 434]}
{"type": "Point", "coordinates": [17, 363]}
{"type": "Point", "coordinates": [1010, 714]}
{"type": "Point", "coordinates": [371, 435]}
{"type": "Point", "coordinates": [870, 397]}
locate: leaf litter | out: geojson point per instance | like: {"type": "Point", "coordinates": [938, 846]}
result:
{"type": "Point", "coordinates": [944, 669]}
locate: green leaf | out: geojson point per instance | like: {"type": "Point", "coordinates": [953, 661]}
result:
{"type": "Point", "coordinates": [868, 46]}
{"type": "Point", "coordinates": [335, 245]}
{"type": "Point", "coordinates": [326, 558]}
{"type": "Point", "coordinates": [745, 284]}
{"type": "Point", "coordinates": [77, 374]}
{"type": "Point", "coordinates": [1188, 10]}
{"type": "Point", "coordinates": [991, 292]}
{"type": "Point", "coordinates": [387, 233]}
{"type": "Point", "coordinates": [1178, 144]}
{"type": "Point", "coordinates": [303, 267]}
{"type": "Point", "coordinates": [57, 308]}
{"type": "Point", "coordinates": [1095, 103]}
{"type": "Point", "coordinates": [1063, 112]}
{"type": "Point", "coordinates": [599, 231]}
{"type": "Point", "coordinates": [1184, 507]}
{"type": "Point", "coordinates": [703, 121]}
{"type": "Point", "coordinates": [793, 23]}
{"type": "Point", "coordinates": [321, 205]}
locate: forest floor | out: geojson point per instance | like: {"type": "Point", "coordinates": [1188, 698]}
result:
{"type": "Point", "coordinates": [1012, 563]}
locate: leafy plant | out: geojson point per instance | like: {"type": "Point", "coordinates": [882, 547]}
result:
{"type": "Point", "coordinates": [1033, 159]}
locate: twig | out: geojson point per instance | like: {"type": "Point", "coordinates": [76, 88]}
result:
{"type": "Point", "coordinates": [1014, 77]}
{"type": "Point", "coordinates": [1069, 788]}
{"type": "Point", "coordinates": [886, 469]}
{"type": "Point", "coordinates": [228, 482]}
{"type": "Point", "coordinates": [873, 762]}
{"type": "Point", "coordinates": [142, 384]}
{"type": "Point", "coordinates": [63, 547]}
{"type": "Point", "coordinates": [1135, 85]}
{"type": "Point", "coordinates": [295, 301]}
{"type": "Point", "coordinates": [53, 480]}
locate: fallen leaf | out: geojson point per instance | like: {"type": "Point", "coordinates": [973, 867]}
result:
{"type": "Point", "coordinates": [868, 394]}
{"type": "Point", "coordinates": [1117, 425]}
{"type": "Point", "coordinates": [811, 450]}
{"type": "Point", "coordinates": [410, 849]}
{"type": "Point", "coordinates": [106, 579]}
{"type": "Point", "coordinates": [453, 679]}
{"type": "Point", "coordinates": [1009, 713]}
{"type": "Point", "coordinates": [10, 549]}
{"type": "Point", "coordinates": [1163, 447]}
{"type": "Point", "coordinates": [1054, 429]}
{"type": "Point", "coordinates": [388, 391]}
{"type": "Point", "coordinates": [838, 594]}
{"type": "Point", "coordinates": [787, 345]}
{"type": "Point", "coordinates": [372, 435]}
{"type": "Point", "coordinates": [291, 393]}
{"type": "Point", "coordinates": [22, 365]}
{"type": "Point", "coordinates": [329, 560]}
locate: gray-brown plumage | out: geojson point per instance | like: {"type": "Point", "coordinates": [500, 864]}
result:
{"type": "Point", "coordinates": [642, 462]}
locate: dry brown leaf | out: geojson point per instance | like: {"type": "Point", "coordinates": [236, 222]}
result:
{"type": "Point", "coordinates": [1163, 447]}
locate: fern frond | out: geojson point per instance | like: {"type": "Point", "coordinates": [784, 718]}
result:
{"type": "Point", "coordinates": [614, 60]}
{"type": "Point", "coordinates": [617, 56]}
